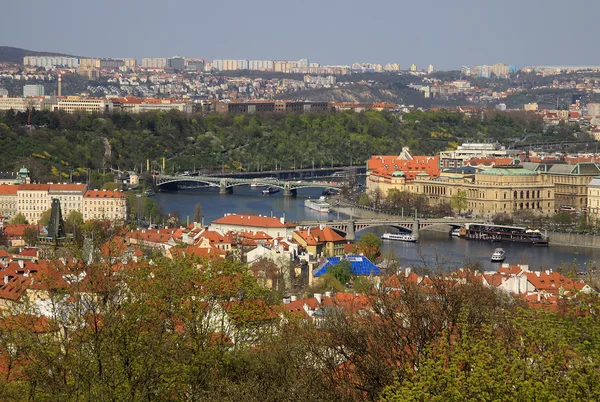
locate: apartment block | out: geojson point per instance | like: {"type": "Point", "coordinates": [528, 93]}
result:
{"type": "Point", "coordinates": [104, 205]}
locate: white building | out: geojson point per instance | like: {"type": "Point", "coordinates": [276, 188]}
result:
{"type": "Point", "coordinates": [154, 62]}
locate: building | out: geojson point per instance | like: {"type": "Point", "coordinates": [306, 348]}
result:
{"type": "Point", "coordinates": [104, 205]}
{"type": "Point", "coordinates": [69, 195]}
{"type": "Point", "coordinates": [593, 199]}
{"type": "Point", "coordinates": [8, 201]}
{"type": "Point", "coordinates": [72, 104]}
{"type": "Point", "coordinates": [270, 106]}
{"type": "Point", "coordinates": [33, 200]}
{"type": "Point", "coordinates": [49, 62]}
{"type": "Point", "coordinates": [33, 90]}
{"type": "Point", "coordinates": [154, 62]}
{"type": "Point", "coordinates": [570, 181]}
{"type": "Point", "coordinates": [413, 68]}
{"type": "Point", "coordinates": [507, 189]}
{"type": "Point", "coordinates": [321, 241]}
{"type": "Point", "coordinates": [24, 104]}
{"type": "Point", "coordinates": [530, 107]}
{"type": "Point", "coordinates": [430, 69]}
{"type": "Point", "coordinates": [176, 63]}
{"type": "Point", "coordinates": [396, 172]}
{"type": "Point", "coordinates": [3, 92]}
{"type": "Point", "coordinates": [466, 152]}
{"type": "Point", "coordinates": [274, 227]}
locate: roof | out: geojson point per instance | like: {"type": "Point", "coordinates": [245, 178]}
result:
{"type": "Point", "coordinates": [8, 189]}
{"type": "Point", "coordinates": [68, 187]}
{"type": "Point", "coordinates": [382, 165]}
{"type": "Point", "coordinates": [496, 171]}
{"type": "Point", "coordinates": [315, 236]}
{"type": "Point", "coordinates": [359, 265]}
{"type": "Point", "coordinates": [253, 221]}
{"type": "Point", "coordinates": [104, 194]}
{"type": "Point", "coordinates": [34, 187]}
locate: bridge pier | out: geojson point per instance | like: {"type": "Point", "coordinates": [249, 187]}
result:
{"type": "Point", "coordinates": [350, 231]}
{"type": "Point", "coordinates": [288, 191]}
{"type": "Point", "coordinates": [223, 189]}
{"type": "Point", "coordinates": [415, 231]}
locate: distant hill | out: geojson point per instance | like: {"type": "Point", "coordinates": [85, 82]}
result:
{"type": "Point", "coordinates": [10, 54]}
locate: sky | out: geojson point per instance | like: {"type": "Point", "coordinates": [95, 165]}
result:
{"type": "Point", "coordinates": [445, 33]}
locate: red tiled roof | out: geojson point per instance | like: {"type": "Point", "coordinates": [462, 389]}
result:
{"type": "Point", "coordinates": [315, 236]}
{"type": "Point", "coordinates": [7, 189]}
{"type": "Point", "coordinates": [104, 194]}
{"type": "Point", "coordinates": [252, 221]}
{"type": "Point", "coordinates": [384, 166]}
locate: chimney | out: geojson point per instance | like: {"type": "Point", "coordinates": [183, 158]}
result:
{"type": "Point", "coordinates": [327, 294]}
{"type": "Point", "coordinates": [293, 298]}
{"type": "Point", "coordinates": [59, 85]}
{"type": "Point", "coordinates": [319, 297]}
{"type": "Point", "coordinates": [282, 220]}
{"type": "Point", "coordinates": [537, 273]}
{"type": "Point", "coordinates": [407, 271]}
{"type": "Point", "coordinates": [286, 300]}
{"type": "Point", "coordinates": [20, 262]}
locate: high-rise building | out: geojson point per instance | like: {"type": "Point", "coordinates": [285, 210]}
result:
{"type": "Point", "coordinates": [154, 62]}
{"type": "Point", "coordinates": [242, 64]}
{"type": "Point", "coordinates": [3, 92]}
{"type": "Point", "coordinates": [33, 90]}
{"type": "Point", "coordinates": [413, 68]}
{"type": "Point", "coordinates": [430, 69]}
{"type": "Point", "coordinates": [176, 63]}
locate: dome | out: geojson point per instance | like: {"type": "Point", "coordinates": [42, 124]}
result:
{"type": "Point", "coordinates": [398, 173]}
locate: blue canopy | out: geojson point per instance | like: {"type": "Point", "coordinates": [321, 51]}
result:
{"type": "Point", "coordinates": [360, 265]}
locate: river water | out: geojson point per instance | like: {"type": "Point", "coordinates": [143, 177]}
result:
{"type": "Point", "coordinates": [434, 249]}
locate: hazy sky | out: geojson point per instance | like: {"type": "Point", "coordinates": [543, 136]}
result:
{"type": "Point", "coordinates": [445, 33]}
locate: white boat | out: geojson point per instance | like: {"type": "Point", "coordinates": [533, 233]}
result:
{"type": "Point", "coordinates": [499, 255]}
{"type": "Point", "coordinates": [399, 237]}
{"type": "Point", "coordinates": [319, 206]}
{"type": "Point", "coordinates": [455, 232]}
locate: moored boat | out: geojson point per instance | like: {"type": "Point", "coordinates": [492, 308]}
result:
{"type": "Point", "coordinates": [271, 190]}
{"type": "Point", "coordinates": [406, 237]}
{"type": "Point", "coordinates": [501, 233]}
{"type": "Point", "coordinates": [319, 206]}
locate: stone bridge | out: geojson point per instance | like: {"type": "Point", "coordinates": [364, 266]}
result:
{"type": "Point", "coordinates": [350, 227]}
{"type": "Point", "coordinates": [226, 184]}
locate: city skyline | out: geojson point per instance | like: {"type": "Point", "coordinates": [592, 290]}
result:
{"type": "Point", "coordinates": [332, 33]}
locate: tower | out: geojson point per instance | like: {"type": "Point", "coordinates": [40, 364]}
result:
{"type": "Point", "coordinates": [59, 85]}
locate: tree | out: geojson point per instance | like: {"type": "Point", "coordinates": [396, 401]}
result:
{"type": "Point", "coordinates": [369, 245]}
{"type": "Point", "coordinates": [73, 221]}
{"type": "Point", "coordinates": [341, 271]}
{"type": "Point", "coordinates": [198, 213]}
{"type": "Point", "coordinates": [30, 236]}
{"type": "Point", "coordinates": [19, 219]}
{"type": "Point", "coordinates": [364, 200]}
{"type": "Point", "coordinates": [459, 201]}
{"type": "Point", "coordinates": [45, 217]}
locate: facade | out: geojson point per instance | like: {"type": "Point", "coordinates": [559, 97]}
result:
{"type": "Point", "coordinates": [571, 183]}
{"type": "Point", "coordinates": [176, 63]}
{"type": "Point", "coordinates": [270, 106]}
{"type": "Point", "coordinates": [593, 199]}
{"type": "Point", "coordinates": [8, 201]}
{"type": "Point", "coordinates": [104, 205]}
{"type": "Point", "coordinates": [465, 152]}
{"type": "Point", "coordinates": [69, 195]}
{"type": "Point", "coordinates": [33, 200]}
{"type": "Point", "coordinates": [33, 90]}
{"type": "Point", "coordinates": [72, 104]}
{"type": "Point", "coordinates": [492, 191]}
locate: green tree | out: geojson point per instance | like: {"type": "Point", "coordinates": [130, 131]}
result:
{"type": "Point", "coordinates": [19, 219]}
{"type": "Point", "coordinates": [73, 221]}
{"type": "Point", "coordinates": [30, 236]}
{"type": "Point", "coordinates": [341, 271]}
{"type": "Point", "coordinates": [369, 245]}
{"type": "Point", "coordinates": [459, 201]}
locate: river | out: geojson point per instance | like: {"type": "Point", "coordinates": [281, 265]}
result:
{"type": "Point", "coordinates": [433, 248]}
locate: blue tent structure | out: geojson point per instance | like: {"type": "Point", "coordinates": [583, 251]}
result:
{"type": "Point", "coordinates": [360, 265]}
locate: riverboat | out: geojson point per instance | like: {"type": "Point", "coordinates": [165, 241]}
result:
{"type": "Point", "coordinates": [319, 206]}
{"type": "Point", "coordinates": [406, 237]}
{"type": "Point", "coordinates": [501, 233]}
{"type": "Point", "coordinates": [256, 183]}
{"type": "Point", "coordinates": [499, 255]}
{"type": "Point", "coordinates": [149, 193]}
{"type": "Point", "coordinates": [271, 190]}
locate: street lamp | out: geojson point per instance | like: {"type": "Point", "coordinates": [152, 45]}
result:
{"type": "Point", "coordinates": [294, 163]}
